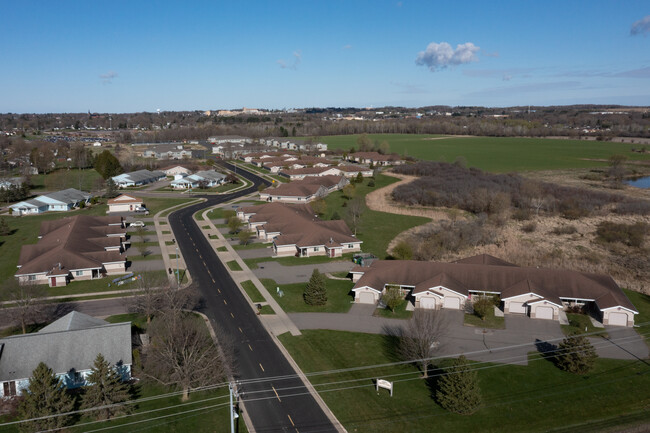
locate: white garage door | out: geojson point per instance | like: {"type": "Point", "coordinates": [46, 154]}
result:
{"type": "Point", "coordinates": [544, 313]}
{"type": "Point", "coordinates": [618, 319]}
{"type": "Point", "coordinates": [428, 303]}
{"type": "Point", "coordinates": [366, 298]}
{"type": "Point", "coordinates": [453, 303]}
{"type": "Point", "coordinates": [517, 307]}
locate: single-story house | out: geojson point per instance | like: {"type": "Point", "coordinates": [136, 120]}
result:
{"type": "Point", "coordinates": [137, 178]}
{"type": "Point", "coordinates": [348, 171]}
{"type": "Point", "coordinates": [294, 230]}
{"type": "Point", "coordinates": [81, 247]}
{"type": "Point", "coordinates": [537, 292]}
{"type": "Point", "coordinates": [305, 190]}
{"type": "Point", "coordinates": [208, 179]}
{"type": "Point", "coordinates": [167, 151]}
{"type": "Point", "coordinates": [220, 139]}
{"type": "Point", "coordinates": [175, 169]}
{"type": "Point", "coordinates": [375, 158]}
{"type": "Point", "coordinates": [55, 201]}
{"type": "Point", "coordinates": [125, 203]}
{"type": "Point", "coordinates": [69, 347]}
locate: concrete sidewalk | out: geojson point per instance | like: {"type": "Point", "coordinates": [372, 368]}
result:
{"type": "Point", "coordinates": [277, 325]}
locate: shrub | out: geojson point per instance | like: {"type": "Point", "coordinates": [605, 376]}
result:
{"type": "Point", "coordinates": [403, 251]}
{"type": "Point", "coordinates": [482, 307]}
{"type": "Point", "coordinates": [564, 230]}
{"type": "Point", "coordinates": [576, 355]}
{"type": "Point", "coordinates": [629, 234]}
{"type": "Point", "coordinates": [458, 389]}
{"type": "Point", "coordinates": [521, 214]}
{"type": "Point", "coordinates": [529, 227]}
{"type": "Point", "coordinates": [315, 292]}
{"type": "Point", "coordinates": [392, 298]}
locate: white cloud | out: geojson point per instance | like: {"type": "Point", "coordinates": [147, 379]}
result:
{"type": "Point", "coordinates": [641, 27]}
{"type": "Point", "coordinates": [107, 78]}
{"type": "Point", "coordinates": [439, 56]}
{"type": "Point", "coordinates": [297, 57]}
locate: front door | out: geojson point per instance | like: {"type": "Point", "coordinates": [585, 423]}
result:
{"type": "Point", "coordinates": [52, 281]}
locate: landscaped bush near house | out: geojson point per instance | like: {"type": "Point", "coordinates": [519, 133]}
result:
{"type": "Point", "coordinates": [482, 306]}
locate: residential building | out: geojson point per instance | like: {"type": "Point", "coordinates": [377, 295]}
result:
{"type": "Point", "coordinates": [125, 203]}
{"type": "Point", "coordinates": [305, 190]}
{"type": "Point", "coordinates": [55, 201]}
{"type": "Point", "coordinates": [69, 346]}
{"type": "Point", "coordinates": [295, 231]}
{"type": "Point", "coordinates": [537, 292]}
{"type": "Point", "coordinates": [81, 247]}
{"type": "Point", "coordinates": [137, 178]}
{"type": "Point", "coordinates": [375, 158]}
{"type": "Point", "coordinates": [221, 139]}
{"type": "Point", "coordinates": [205, 179]}
{"type": "Point", "coordinates": [348, 171]}
{"type": "Point", "coordinates": [173, 170]}
{"type": "Point", "coordinates": [167, 151]}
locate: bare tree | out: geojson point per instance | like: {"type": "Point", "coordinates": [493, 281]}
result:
{"type": "Point", "coordinates": [183, 354]}
{"type": "Point", "coordinates": [419, 339]}
{"type": "Point", "coordinates": [154, 296]}
{"type": "Point", "coordinates": [355, 209]}
{"type": "Point", "coordinates": [26, 300]}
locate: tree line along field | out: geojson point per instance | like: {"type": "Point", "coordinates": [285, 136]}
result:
{"type": "Point", "coordinates": [499, 154]}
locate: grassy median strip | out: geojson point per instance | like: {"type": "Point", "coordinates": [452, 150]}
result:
{"type": "Point", "coordinates": [234, 266]}
{"type": "Point", "coordinates": [295, 261]}
{"type": "Point", "coordinates": [251, 246]}
{"type": "Point", "coordinates": [252, 292]}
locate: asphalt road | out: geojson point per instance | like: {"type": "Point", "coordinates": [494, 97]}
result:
{"type": "Point", "coordinates": [274, 403]}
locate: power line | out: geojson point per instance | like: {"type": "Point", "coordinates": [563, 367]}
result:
{"type": "Point", "coordinates": [473, 367]}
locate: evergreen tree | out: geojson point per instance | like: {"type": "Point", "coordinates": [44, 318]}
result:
{"type": "Point", "coordinates": [576, 354]}
{"type": "Point", "coordinates": [359, 178]}
{"type": "Point", "coordinates": [315, 292]}
{"type": "Point", "coordinates": [458, 389]}
{"type": "Point", "coordinates": [4, 227]}
{"type": "Point", "coordinates": [45, 396]}
{"type": "Point", "coordinates": [105, 388]}
{"type": "Point", "coordinates": [111, 188]}
{"type": "Point", "coordinates": [107, 165]}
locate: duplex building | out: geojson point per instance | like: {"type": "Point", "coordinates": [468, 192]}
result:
{"type": "Point", "coordinates": [294, 230]}
{"type": "Point", "coordinates": [125, 203]}
{"type": "Point", "coordinates": [167, 151]}
{"type": "Point", "coordinates": [348, 171]}
{"type": "Point", "coordinates": [137, 178]}
{"type": "Point", "coordinates": [55, 201]}
{"type": "Point", "coordinates": [69, 347]}
{"type": "Point", "coordinates": [81, 247]}
{"type": "Point", "coordinates": [305, 190]}
{"type": "Point", "coordinates": [206, 179]}
{"type": "Point", "coordinates": [537, 292]}
{"type": "Point", "coordinates": [375, 158]}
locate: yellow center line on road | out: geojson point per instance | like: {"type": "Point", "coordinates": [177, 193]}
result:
{"type": "Point", "coordinates": [224, 301]}
{"type": "Point", "coordinates": [213, 280]}
{"type": "Point", "coordinates": [232, 315]}
{"type": "Point", "coordinates": [261, 366]}
{"type": "Point", "coordinates": [291, 420]}
{"type": "Point", "coordinates": [276, 394]}
{"type": "Point", "coordinates": [249, 346]}
{"type": "Point", "coordinates": [240, 330]}
{"type": "Point", "coordinates": [219, 290]}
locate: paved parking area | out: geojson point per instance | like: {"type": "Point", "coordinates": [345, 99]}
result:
{"type": "Point", "coordinates": [297, 274]}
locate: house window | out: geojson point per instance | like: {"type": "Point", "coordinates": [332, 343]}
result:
{"type": "Point", "coordinates": [79, 273]}
{"type": "Point", "coordinates": [32, 278]}
{"type": "Point", "coordinates": [316, 248]}
{"type": "Point", "coordinates": [9, 388]}
{"type": "Point", "coordinates": [350, 246]}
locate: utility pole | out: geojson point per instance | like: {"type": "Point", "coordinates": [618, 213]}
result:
{"type": "Point", "coordinates": [232, 388]}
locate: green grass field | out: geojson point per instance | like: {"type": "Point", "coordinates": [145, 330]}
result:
{"type": "Point", "coordinates": [85, 180]}
{"type": "Point", "coordinates": [534, 398]}
{"type": "Point", "coordinates": [338, 296]}
{"type": "Point", "coordinates": [498, 154]}
{"type": "Point", "coordinates": [376, 229]}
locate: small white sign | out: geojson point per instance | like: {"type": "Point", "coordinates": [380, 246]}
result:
{"type": "Point", "coordinates": [381, 383]}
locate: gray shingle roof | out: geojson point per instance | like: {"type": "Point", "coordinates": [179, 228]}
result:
{"type": "Point", "coordinates": [66, 349]}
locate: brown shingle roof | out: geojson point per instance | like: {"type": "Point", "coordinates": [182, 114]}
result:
{"type": "Point", "coordinates": [77, 242]}
{"type": "Point", "coordinates": [510, 280]}
{"type": "Point", "coordinates": [305, 187]}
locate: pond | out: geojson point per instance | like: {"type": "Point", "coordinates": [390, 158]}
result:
{"type": "Point", "coordinates": [641, 182]}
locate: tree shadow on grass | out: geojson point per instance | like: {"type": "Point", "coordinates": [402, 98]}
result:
{"type": "Point", "coordinates": [547, 350]}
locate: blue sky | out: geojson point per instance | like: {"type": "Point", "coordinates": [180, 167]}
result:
{"type": "Point", "coordinates": [123, 56]}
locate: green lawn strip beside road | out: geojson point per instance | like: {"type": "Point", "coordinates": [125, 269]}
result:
{"type": "Point", "coordinates": [78, 287]}
{"type": "Point", "coordinates": [338, 296]}
{"type": "Point", "coordinates": [233, 265]}
{"type": "Point", "coordinates": [534, 398]}
{"type": "Point", "coordinates": [499, 154]}
{"type": "Point", "coordinates": [220, 249]}
{"type": "Point", "coordinates": [295, 261]}
{"type": "Point", "coordinates": [252, 291]}
{"type": "Point", "coordinates": [157, 204]}
{"type": "Point", "coordinates": [266, 309]}
{"type": "Point", "coordinates": [25, 229]}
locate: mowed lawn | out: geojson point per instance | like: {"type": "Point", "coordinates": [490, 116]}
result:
{"type": "Point", "coordinates": [534, 398]}
{"type": "Point", "coordinates": [497, 154]}
{"type": "Point", "coordinates": [85, 180]}
{"type": "Point", "coordinates": [375, 229]}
